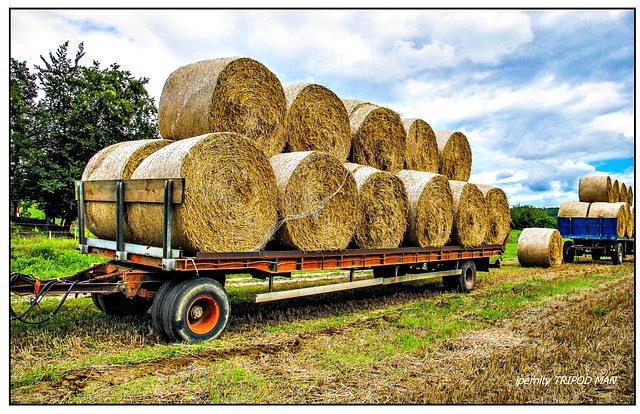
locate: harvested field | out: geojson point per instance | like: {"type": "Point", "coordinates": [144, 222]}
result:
{"type": "Point", "coordinates": [316, 121]}
{"type": "Point", "coordinates": [225, 95]}
{"type": "Point", "coordinates": [408, 344]}
{"type": "Point", "coordinates": [378, 137]}
{"type": "Point", "coordinates": [384, 208]}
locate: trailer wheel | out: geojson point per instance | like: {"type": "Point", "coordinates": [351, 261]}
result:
{"type": "Point", "coordinates": [617, 254]}
{"type": "Point", "coordinates": [158, 309]}
{"type": "Point", "coordinates": [196, 310]}
{"type": "Point", "coordinates": [595, 255]}
{"type": "Point", "coordinates": [464, 282]}
{"type": "Point", "coordinates": [568, 253]}
{"type": "Point", "coordinates": [117, 304]}
{"type": "Point", "coordinates": [96, 298]}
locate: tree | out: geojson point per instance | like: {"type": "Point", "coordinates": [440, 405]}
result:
{"type": "Point", "coordinates": [527, 216]}
{"type": "Point", "coordinates": [83, 109]}
{"type": "Point", "coordinates": [23, 91]}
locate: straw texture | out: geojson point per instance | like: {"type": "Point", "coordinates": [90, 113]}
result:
{"type": "Point", "coordinates": [316, 120]}
{"type": "Point", "coordinates": [378, 137]}
{"type": "Point", "coordinates": [615, 189]}
{"type": "Point", "coordinates": [454, 154]}
{"type": "Point", "coordinates": [117, 161]}
{"type": "Point", "coordinates": [228, 94]}
{"type": "Point", "coordinates": [498, 214]}
{"type": "Point", "coordinates": [422, 148]}
{"type": "Point", "coordinates": [596, 188]}
{"type": "Point", "coordinates": [574, 209]}
{"type": "Point", "coordinates": [629, 195]}
{"type": "Point", "coordinates": [470, 220]}
{"type": "Point", "coordinates": [622, 192]}
{"type": "Point", "coordinates": [384, 207]}
{"type": "Point", "coordinates": [317, 201]}
{"type": "Point", "coordinates": [430, 208]}
{"type": "Point", "coordinates": [617, 210]}
{"type": "Point", "coordinates": [539, 247]}
{"type": "Point", "coordinates": [630, 228]}
{"type": "Point", "coordinates": [230, 197]}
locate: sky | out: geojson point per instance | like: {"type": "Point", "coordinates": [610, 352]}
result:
{"type": "Point", "coordinates": [543, 96]}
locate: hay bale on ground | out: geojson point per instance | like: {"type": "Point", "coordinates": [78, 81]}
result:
{"type": "Point", "coordinates": [596, 188]}
{"type": "Point", "coordinates": [117, 161]}
{"type": "Point", "coordinates": [316, 120]}
{"type": "Point", "coordinates": [378, 138]}
{"type": "Point", "coordinates": [430, 217]}
{"type": "Point", "coordinates": [498, 214]}
{"type": "Point", "coordinates": [615, 189]}
{"type": "Point", "coordinates": [622, 192]}
{"type": "Point", "coordinates": [229, 200]}
{"type": "Point", "coordinates": [421, 152]}
{"type": "Point", "coordinates": [617, 210]}
{"type": "Point", "coordinates": [470, 220]}
{"type": "Point", "coordinates": [454, 154]}
{"type": "Point", "coordinates": [539, 247]}
{"type": "Point", "coordinates": [228, 94]}
{"type": "Point", "coordinates": [317, 199]}
{"type": "Point", "coordinates": [574, 209]}
{"type": "Point", "coordinates": [384, 207]}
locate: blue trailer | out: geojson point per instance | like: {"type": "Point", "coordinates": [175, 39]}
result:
{"type": "Point", "coordinates": [597, 236]}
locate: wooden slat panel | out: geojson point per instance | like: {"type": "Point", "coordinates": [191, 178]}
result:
{"type": "Point", "coordinates": [139, 190]}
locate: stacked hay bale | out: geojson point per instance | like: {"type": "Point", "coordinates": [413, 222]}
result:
{"type": "Point", "coordinates": [469, 214]}
{"type": "Point", "coordinates": [538, 247]}
{"type": "Point", "coordinates": [596, 188]}
{"type": "Point", "coordinates": [318, 201]}
{"type": "Point", "coordinates": [498, 214]}
{"type": "Point", "coordinates": [431, 210]}
{"type": "Point", "coordinates": [229, 200]}
{"type": "Point", "coordinates": [225, 95]}
{"type": "Point", "coordinates": [378, 137]}
{"type": "Point", "coordinates": [115, 162]}
{"type": "Point", "coordinates": [574, 209]}
{"type": "Point", "coordinates": [454, 155]}
{"type": "Point", "coordinates": [615, 210]}
{"type": "Point", "coordinates": [421, 152]}
{"type": "Point", "coordinates": [384, 207]}
{"type": "Point", "coordinates": [316, 120]}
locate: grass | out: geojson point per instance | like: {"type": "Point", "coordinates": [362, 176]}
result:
{"type": "Point", "coordinates": [409, 343]}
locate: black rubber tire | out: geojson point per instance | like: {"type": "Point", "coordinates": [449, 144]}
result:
{"type": "Point", "coordinates": [196, 310]}
{"type": "Point", "coordinates": [465, 282]}
{"type": "Point", "coordinates": [157, 310]}
{"type": "Point", "coordinates": [568, 254]}
{"type": "Point", "coordinates": [596, 256]}
{"type": "Point", "coordinates": [96, 298]}
{"type": "Point", "coordinates": [117, 304]}
{"type": "Point", "coordinates": [617, 254]}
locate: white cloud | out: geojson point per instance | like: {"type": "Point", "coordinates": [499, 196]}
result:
{"type": "Point", "coordinates": [621, 122]}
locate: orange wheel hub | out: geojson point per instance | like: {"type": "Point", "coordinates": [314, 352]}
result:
{"type": "Point", "coordinates": [203, 315]}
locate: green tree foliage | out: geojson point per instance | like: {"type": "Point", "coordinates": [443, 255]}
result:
{"type": "Point", "coordinates": [23, 91]}
{"type": "Point", "coordinates": [82, 109]}
{"type": "Point", "coordinates": [527, 216]}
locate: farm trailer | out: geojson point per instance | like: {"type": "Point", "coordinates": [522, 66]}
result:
{"type": "Point", "coordinates": [188, 296]}
{"type": "Point", "coordinates": [597, 236]}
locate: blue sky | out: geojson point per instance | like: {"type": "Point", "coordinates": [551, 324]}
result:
{"type": "Point", "coordinates": [544, 96]}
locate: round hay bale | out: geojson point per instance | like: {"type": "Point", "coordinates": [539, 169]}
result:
{"type": "Point", "coordinates": [622, 192]}
{"type": "Point", "coordinates": [378, 138]}
{"type": "Point", "coordinates": [384, 207]}
{"type": "Point", "coordinates": [117, 161]}
{"type": "Point", "coordinates": [421, 152]}
{"type": "Point", "coordinates": [498, 214]}
{"type": "Point", "coordinates": [470, 220]}
{"type": "Point", "coordinates": [229, 199]}
{"type": "Point", "coordinates": [617, 210]}
{"type": "Point", "coordinates": [454, 155]}
{"type": "Point", "coordinates": [594, 189]}
{"type": "Point", "coordinates": [630, 221]}
{"type": "Point", "coordinates": [629, 195]}
{"type": "Point", "coordinates": [539, 247]}
{"type": "Point", "coordinates": [317, 201]}
{"type": "Point", "coordinates": [574, 209]}
{"type": "Point", "coordinates": [430, 217]}
{"type": "Point", "coordinates": [228, 94]}
{"type": "Point", "coordinates": [316, 120]}
{"type": "Point", "coordinates": [615, 189]}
